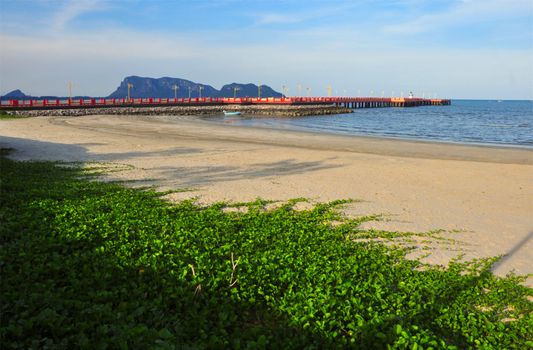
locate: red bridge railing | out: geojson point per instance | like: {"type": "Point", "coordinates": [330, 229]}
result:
{"type": "Point", "coordinates": [110, 102]}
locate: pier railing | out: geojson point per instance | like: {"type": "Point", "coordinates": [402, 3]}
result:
{"type": "Point", "coordinates": [351, 102]}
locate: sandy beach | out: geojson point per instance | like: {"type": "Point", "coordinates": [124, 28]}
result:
{"type": "Point", "coordinates": [481, 196]}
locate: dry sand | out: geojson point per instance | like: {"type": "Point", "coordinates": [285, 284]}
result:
{"type": "Point", "coordinates": [482, 196]}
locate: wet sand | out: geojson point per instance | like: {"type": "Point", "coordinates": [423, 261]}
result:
{"type": "Point", "coordinates": [482, 196]}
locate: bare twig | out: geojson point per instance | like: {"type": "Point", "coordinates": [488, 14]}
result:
{"type": "Point", "coordinates": [233, 269]}
{"type": "Point", "coordinates": [198, 288]}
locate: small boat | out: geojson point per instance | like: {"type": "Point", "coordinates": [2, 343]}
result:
{"type": "Point", "coordinates": [232, 113]}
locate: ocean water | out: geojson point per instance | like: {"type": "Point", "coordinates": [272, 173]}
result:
{"type": "Point", "coordinates": [486, 122]}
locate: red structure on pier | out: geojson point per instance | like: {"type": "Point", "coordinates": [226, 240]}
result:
{"type": "Point", "coordinates": [350, 102]}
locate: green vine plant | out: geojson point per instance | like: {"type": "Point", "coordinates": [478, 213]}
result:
{"type": "Point", "coordinates": [91, 264]}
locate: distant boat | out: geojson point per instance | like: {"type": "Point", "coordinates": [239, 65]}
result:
{"type": "Point", "coordinates": [232, 113]}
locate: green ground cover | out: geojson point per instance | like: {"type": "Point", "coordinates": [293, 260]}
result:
{"type": "Point", "coordinates": [86, 264]}
{"type": "Point", "coordinates": [5, 115]}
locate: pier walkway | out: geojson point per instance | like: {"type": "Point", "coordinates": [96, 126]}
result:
{"type": "Point", "coordinates": [349, 102]}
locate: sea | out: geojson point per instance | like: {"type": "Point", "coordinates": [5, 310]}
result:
{"type": "Point", "coordinates": [480, 122]}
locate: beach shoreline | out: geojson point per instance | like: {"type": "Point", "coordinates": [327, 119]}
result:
{"type": "Point", "coordinates": [480, 195]}
{"type": "Point", "coordinates": [382, 145]}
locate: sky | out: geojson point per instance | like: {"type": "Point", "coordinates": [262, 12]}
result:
{"type": "Point", "coordinates": [475, 49]}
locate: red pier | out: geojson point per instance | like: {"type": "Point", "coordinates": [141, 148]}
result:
{"type": "Point", "coordinates": [350, 102]}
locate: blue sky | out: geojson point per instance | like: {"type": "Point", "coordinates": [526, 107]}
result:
{"type": "Point", "coordinates": [454, 48]}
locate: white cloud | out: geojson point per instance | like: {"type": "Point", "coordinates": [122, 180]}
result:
{"type": "Point", "coordinates": [98, 62]}
{"type": "Point", "coordinates": [463, 12]}
{"type": "Point", "coordinates": [304, 14]}
{"type": "Point", "coordinates": [71, 10]}
{"type": "Point", "coordinates": [275, 18]}
{"type": "Point", "coordinates": [343, 55]}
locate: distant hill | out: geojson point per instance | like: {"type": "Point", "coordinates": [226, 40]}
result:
{"type": "Point", "coordinates": [164, 87]}
{"type": "Point", "coordinates": [15, 95]}
{"type": "Point", "coordinates": [247, 90]}
{"type": "Point", "coordinates": [19, 95]}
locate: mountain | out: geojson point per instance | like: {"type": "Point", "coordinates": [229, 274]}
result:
{"type": "Point", "coordinates": [247, 90]}
{"type": "Point", "coordinates": [164, 87]}
{"type": "Point", "coordinates": [15, 95]}
{"type": "Point", "coordinates": [19, 95]}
